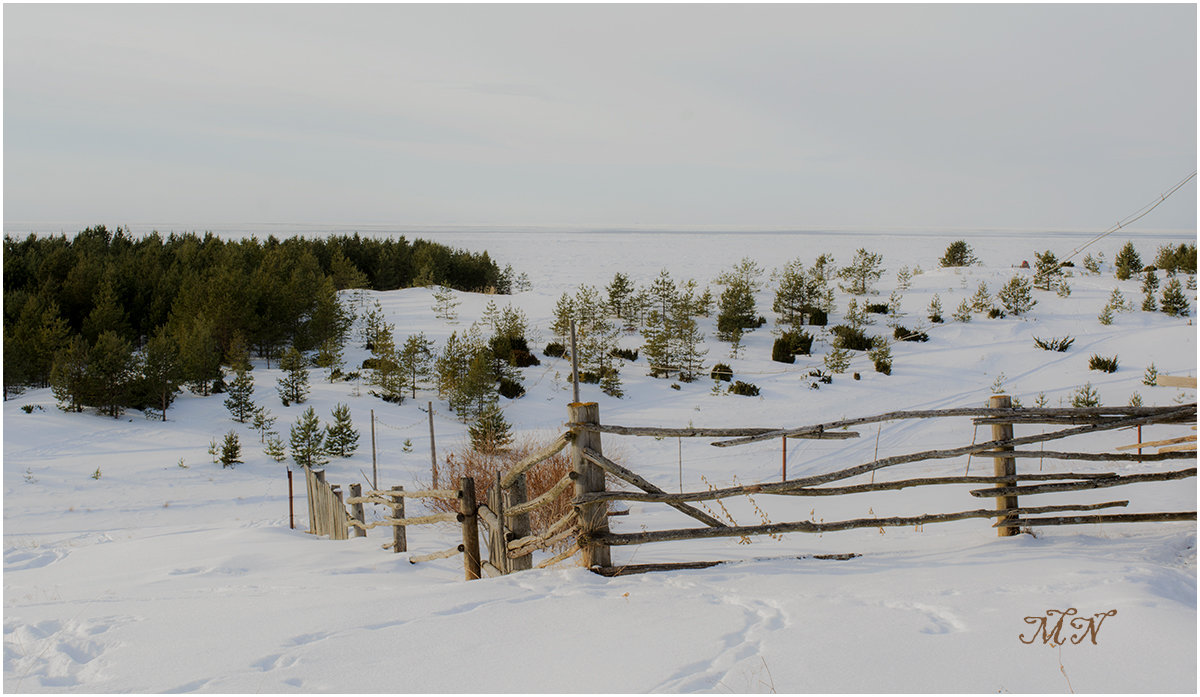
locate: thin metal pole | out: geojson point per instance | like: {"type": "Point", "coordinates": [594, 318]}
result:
{"type": "Point", "coordinates": [291, 503]}
{"type": "Point", "coordinates": [432, 449]}
{"type": "Point", "coordinates": [574, 366]}
{"type": "Point", "coordinates": [785, 458]}
{"type": "Point", "coordinates": [374, 464]}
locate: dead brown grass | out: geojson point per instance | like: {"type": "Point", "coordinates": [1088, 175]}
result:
{"type": "Point", "coordinates": [464, 461]}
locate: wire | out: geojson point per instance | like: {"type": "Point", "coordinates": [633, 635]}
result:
{"type": "Point", "coordinates": [1134, 217]}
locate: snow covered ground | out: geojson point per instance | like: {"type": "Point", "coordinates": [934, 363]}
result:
{"type": "Point", "coordinates": [167, 573]}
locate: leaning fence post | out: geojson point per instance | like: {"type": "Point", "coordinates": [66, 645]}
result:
{"type": "Point", "coordinates": [399, 536]}
{"type": "Point", "coordinates": [470, 527]}
{"type": "Point", "coordinates": [1004, 466]}
{"type": "Point", "coordinates": [516, 495]}
{"type": "Point", "coordinates": [593, 517]}
{"type": "Point", "coordinates": [356, 511]}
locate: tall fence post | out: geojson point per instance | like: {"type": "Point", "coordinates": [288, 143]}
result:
{"type": "Point", "coordinates": [593, 517]}
{"type": "Point", "coordinates": [399, 534]}
{"type": "Point", "coordinates": [1004, 466]}
{"type": "Point", "coordinates": [515, 495]}
{"type": "Point", "coordinates": [470, 528]}
{"type": "Point", "coordinates": [356, 511]}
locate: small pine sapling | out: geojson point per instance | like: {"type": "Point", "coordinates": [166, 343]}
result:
{"type": "Point", "coordinates": [963, 313]}
{"type": "Point", "coordinates": [340, 437]}
{"type": "Point", "coordinates": [1149, 290]}
{"type": "Point", "coordinates": [1085, 396]}
{"type": "Point", "coordinates": [274, 448]}
{"type": "Point", "coordinates": [231, 451]}
{"type": "Point", "coordinates": [935, 309]}
{"type": "Point", "coordinates": [1150, 377]}
{"type": "Point", "coordinates": [1102, 363]}
{"type": "Point", "coordinates": [1174, 302]}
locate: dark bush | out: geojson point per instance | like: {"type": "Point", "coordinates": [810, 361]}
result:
{"type": "Point", "coordinates": [722, 371]}
{"type": "Point", "coordinates": [510, 389]}
{"type": "Point", "coordinates": [523, 359]}
{"type": "Point", "coordinates": [744, 388]}
{"type": "Point", "coordinates": [781, 351]}
{"type": "Point", "coordinates": [821, 375]}
{"type": "Point", "coordinates": [905, 334]}
{"type": "Point", "coordinates": [936, 319]}
{"type": "Point", "coordinates": [877, 308]}
{"type": "Point", "coordinates": [817, 318]}
{"type": "Point", "coordinates": [850, 338]}
{"type": "Point", "coordinates": [589, 377]}
{"type": "Point", "coordinates": [1059, 345]}
{"type": "Point", "coordinates": [1098, 362]}
{"type": "Point", "coordinates": [554, 350]}
{"type": "Point", "coordinates": [627, 354]}
{"type": "Point", "coordinates": [995, 313]}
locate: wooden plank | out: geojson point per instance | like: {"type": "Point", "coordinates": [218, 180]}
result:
{"type": "Point", "coordinates": [541, 455]}
{"type": "Point", "coordinates": [1156, 443]}
{"type": "Point", "coordinates": [1120, 480]}
{"type": "Point", "coordinates": [1105, 518]}
{"type": "Point", "coordinates": [435, 555]}
{"type": "Point", "coordinates": [641, 482]}
{"type": "Point", "coordinates": [1178, 449]}
{"type": "Point", "coordinates": [1175, 381]}
{"type": "Point", "coordinates": [543, 500]}
{"type": "Point", "coordinates": [399, 532]}
{"type": "Point", "coordinates": [1004, 466]}
{"type": "Point", "coordinates": [637, 538]}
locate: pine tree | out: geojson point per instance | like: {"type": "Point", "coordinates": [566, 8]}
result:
{"type": "Point", "coordinates": [444, 305]}
{"type": "Point", "coordinates": [373, 326]}
{"type": "Point", "coordinates": [238, 354]}
{"type": "Point", "coordinates": [1017, 296]}
{"type": "Point", "coordinates": [564, 312]}
{"type": "Point", "coordinates": [329, 357]}
{"type": "Point", "coordinates": [110, 373]}
{"type": "Point", "coordinates": [386, 374]}
{"type": "Point", "coordinates": [863, 271]}
{"type": "Point", "coordinates": [935, 309]}
{"type": "Point", "coordinates": [490, 432]}
{"type": "Point", "coordinates": [231, 450]}
{"type": "Point", "coordinates": [160, 372]}
{"type": "Point", "coordinates": [1127, 262]}
{"type": "Point", "coordinates": [881, 356]}
{"type": "Point", "coordinates": [1174, 302]}
{"type": "Point", "coordinates": [662, 293]}
{"type": "Point", "coordinates": [68, 375]}
{"type": "Point", "coordinates": [958, 254]}
{"type": "Point", "coordinates": [657, 345]}
{"type": "Point", "coordinates": [1085, 396]}
{"type": "Point", "coordinates": [274, 448]}
{"type": "Point", "coordinates": [1149, 290]}
{"type": "Point", "coordinates": [293, 386]}
{"type": "Point", "coordinates": [982, 299]}
{"type": "Point", "coordinates": [262, 421]}
{"type": "Point", "coordinates": [963, 313]}
{"type": "Point", "coordinates": [340, 437]}
{"type": "Point", "coordinates": [618, 294]}
{"type": "Point", "coordinates": [837, 360]}
{"type": "Point", "coordinates": [308, 440]}
{"type": "Point", "coordinates": [239, 393]}
{"type": "Point", "coordinates": [797, 294]}
{"type": "Point", "coordinates": [1048, 272]}
{"type": "Point", "coordinates": [415, 361]}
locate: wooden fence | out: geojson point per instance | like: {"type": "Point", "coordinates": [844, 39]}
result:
{"type": "Point", "coordinates": [505, 515]}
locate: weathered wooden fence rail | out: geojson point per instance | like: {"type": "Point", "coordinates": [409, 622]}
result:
{"type": "Point", "coordinates": [505, 514]}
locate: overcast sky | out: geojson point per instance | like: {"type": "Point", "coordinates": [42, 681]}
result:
{"type": "Point", "coordinates": [798, 116]}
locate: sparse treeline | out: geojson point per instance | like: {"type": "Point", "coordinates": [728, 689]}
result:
{"type": "Point", "coordinates": [171, 310]}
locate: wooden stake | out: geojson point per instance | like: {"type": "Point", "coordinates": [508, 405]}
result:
{"type": "Point", "coordinates": [784, 478]}
{"type": "Point", "coordinates": [374, 465]}
{"type": "Point", "coordinates": [514, 496]}
{"type": "Point", "coordinates": [470, 529]}
{"type": "Point", "coordinates": [356, 511]}
{"type": "Point", "coordinates": [574, 366]}
{"type": "Point", "coordinates": [592, 516]}
{"type": "Point", "coordinates": [399, 532]}
{"type": "Point", "coordinates": [291, 503]}
{"type": "Point", "coordinates": [1004, 466]}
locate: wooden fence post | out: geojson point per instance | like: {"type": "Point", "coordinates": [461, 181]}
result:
{"type": "Point", "coordinates": [593, 517]}
{"type": "Point", "coordinates": [1004, 466]}
{"type": "Point", "coordinates": [498, 541]}
{"type": "Point", "coordinates": [470, 528]}
{"type": "Point", "coordinates": [338, 515]}
{"type": "Point", "coordinates": [356, 511]}
{"type": "Point", "coordinates": [516, 495]}
{"type": "Point", "coordinates": [399, 535]}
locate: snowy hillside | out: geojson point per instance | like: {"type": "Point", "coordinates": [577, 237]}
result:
{"type": "Point", "coordinates": [133, 563]}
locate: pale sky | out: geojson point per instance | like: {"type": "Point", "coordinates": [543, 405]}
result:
{"type": "Point", "coordinates": [793, 116]}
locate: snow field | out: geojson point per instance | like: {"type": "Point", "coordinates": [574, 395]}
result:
{"type": "Point", "coordinates": [161, 578]}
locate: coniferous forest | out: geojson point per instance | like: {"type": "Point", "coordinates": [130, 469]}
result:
{"type": "Point", "coordinates": [116, 321]}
